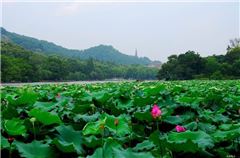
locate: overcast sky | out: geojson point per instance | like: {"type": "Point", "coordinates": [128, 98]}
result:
{"type": "Point", "coordinates": [157, 30]}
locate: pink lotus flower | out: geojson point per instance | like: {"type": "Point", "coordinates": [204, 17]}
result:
{"type": "Point", "coordinates": [156, 112]}
{"type": "Point", "coordinates": [180, 128]}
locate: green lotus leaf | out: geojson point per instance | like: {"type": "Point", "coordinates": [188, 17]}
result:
{"type": "Point", "coordinates": [189, 141]}
{"type": "Point", "coordinates": [101, 96]}
{"type": "Point", "coordinates": [206, 127]}
{"type": "Point", "coordinates": [108, 121]}
{"type": "Point", "coordinates": [86, 117]}
{"type": "Point", "coordinates": [174, 120]}
{"type": "Point", "coordinates": [26, 98]}
{"type": "Point", "coordinates": [154, 90]}
{"type": "Point", "coordinates": [106, 150]}
{"type": "Point", "coordinates": [219, 136]}
{"type": "Point", "coordinates": [44, 105]}
{"type": "Point", "coordinates": [145, 145]}
{"type": "Point", "coordinates": [4, 142]}
{"type": "Point", "coordinates": [121, 129]}
{"type": "Point", "coordinates": [82, 108]}
{"type": "Point", "coordinates": [15, 127]}
{"type": "Point", "coordinates": [227, 127]}
{"type": "Point", "coordinates": [35, 149]}
{"type": "Point", "coordinates": [112, 149]}
{"type": "Point", "coordinates": [68, 139]}
{"type": "Point", "coordinates": [193, 102]}
{"type": "Point", "coordinates": [191, 126]}
{"type": "Point", "coordinates": [98, 153]}
{"type": "Point", "coordinates": [129, 153]}
{"type": "Point", "coordinates": [45, 117]}
{"type": "Point", "coordinates": [92, 141]}
{"type": "Point", "coordinates": [143, 100]}
{"type": "Point", "coordinates": [124, 104]}
{"type": "Point", "coordinates": [94, 127]}
{"type": "Point", "coordinates": [143, 116]}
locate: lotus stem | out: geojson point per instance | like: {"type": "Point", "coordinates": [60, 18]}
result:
{"type": "Point", "coordinates": [102, 143]}
{"type": "Point", "coordinates": [10, 151]}
{"type": "Point", "coordinates": [34, 131]}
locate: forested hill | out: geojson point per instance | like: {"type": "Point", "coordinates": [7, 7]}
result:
{"type": "Point", "coordinates": [108, 53]}
{"type": "Point", "coordinates": [101, 52]}
{"type": "Point", "coordinates": [21, 65]}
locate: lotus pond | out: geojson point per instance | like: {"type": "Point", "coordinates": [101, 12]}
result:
{"type": "Point", "coordinates": [121, 120]}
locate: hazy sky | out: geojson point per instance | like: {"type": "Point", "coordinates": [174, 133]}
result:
{"type": "Point", "coordinates": [157, 30]}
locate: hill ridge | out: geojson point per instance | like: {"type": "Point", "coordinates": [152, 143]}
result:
{"type": "Point", "coordinates": [100, 52]}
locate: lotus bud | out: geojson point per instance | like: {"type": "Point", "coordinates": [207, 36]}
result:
{"type": "Point", "coordinates": [33, 119]}
{"type": "Point", "coordinates": [116, 121]}
{"type": "Point", "coordinates": [180, 128]}
{"type": "Point", "coordinates": [102, 126]}
{"type": "Point", "coordinates": [10, 140]}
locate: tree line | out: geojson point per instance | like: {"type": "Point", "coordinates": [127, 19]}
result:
{"type": "Point", "coordinates": [21, 65]}
{"type": "Point", "coordinates": [191, 65]}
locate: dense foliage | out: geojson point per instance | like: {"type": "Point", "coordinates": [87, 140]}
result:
{"type": "Point", "coordinates": [189, 119]}
{"type": "Point", "coordinates": [20, 65]}
{"type": "Point", "coordinates": [101, 52]}
{"type": "Point", "coordinates": [192, 66]}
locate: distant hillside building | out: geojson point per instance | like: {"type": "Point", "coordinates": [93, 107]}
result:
{"type": "Point", "coordinates": [156, 64]}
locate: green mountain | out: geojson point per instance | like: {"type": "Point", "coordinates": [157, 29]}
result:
{"type": "Point", "coordinates": [101, 52]}
{"type": "Point", "coordinates": [108, 53]}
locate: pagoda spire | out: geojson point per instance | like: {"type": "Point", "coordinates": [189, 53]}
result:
{"type": "Point", "coordinates": [136, 53]}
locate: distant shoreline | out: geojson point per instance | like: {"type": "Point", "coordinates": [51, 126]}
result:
{"type": "Point", "coordinates": [16, 84]}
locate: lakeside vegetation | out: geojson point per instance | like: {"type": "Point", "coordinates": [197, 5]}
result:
{"type": "Point", "coordinates": [21, 65]}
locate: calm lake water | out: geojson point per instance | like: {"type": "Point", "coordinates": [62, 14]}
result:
{"type": "Point", "coordinates": [67, 82]}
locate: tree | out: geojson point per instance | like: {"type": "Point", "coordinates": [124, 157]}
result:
{"type": "Point", "coordinates": [233, 43]}
{"type": "Point", "coordinates": [211, 65]}
{"type": "Point", "coordinates": [183, 67]}
{"type": "Point", "coordinates": [232, 55]}
{"type": "Point", "coordinates": [191, 65]}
